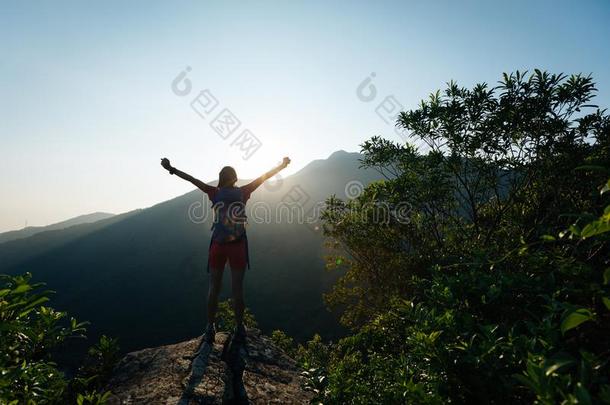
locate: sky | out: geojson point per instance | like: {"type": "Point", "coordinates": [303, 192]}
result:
{"type": "Point", "coordinates": [92, 98]}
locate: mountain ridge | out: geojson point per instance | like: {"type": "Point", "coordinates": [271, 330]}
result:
{"type": "Point", "coordinates": [33, 230]}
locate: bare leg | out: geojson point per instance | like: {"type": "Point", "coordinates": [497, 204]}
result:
{"type": "Point", "coordinates": [237, 287]}
{"type": "Point", "coordinates": [213, 292]}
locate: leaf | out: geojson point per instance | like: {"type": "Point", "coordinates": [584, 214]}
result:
{"type": "Point", "coordinates": [525, 381]}
{"type": "Point", "coordinates": [574, 317]}
{"type": "Point", "coordinates": [557, 362]}
{"type": "Point", "coordinates": [606, 188]}
{"type": "Point", "coordinates": [595, 228]}
{"type": "Point", "coordinates": [582, 394]}
{"type": "Point", "coordinates": [32, 305]}
{"type": "Point", "coordinates": [607, 276]}
{"type": "Point", "coordinates": [22, 288]}
{"type": "Point", "coordinates": [606, 302]}
{"type": "Point", "coordinates": [574, 229]}
{"type": "Point", "coordinates": [434, 335]}
{"type": "Point", "coordinates": [548, 238]}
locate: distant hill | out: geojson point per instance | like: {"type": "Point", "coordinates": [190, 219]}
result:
{"type": "Point", "coordinates": [32, 230]}
{"type": "Point", "coordinates": [141, 276]}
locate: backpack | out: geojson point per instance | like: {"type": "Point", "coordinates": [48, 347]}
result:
{"type": "Point", "coordinates": [229, 215]}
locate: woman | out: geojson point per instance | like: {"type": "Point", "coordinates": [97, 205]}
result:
{"type": "Point", "coordinates": [229, 241]}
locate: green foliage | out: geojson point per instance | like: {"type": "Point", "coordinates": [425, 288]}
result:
{"type": "Point", "coordinates": [30, 331]}
{"type": "Point", "coordinates": [225, 317]}
{"type": "Point", "coordinates": [92, 398]}
{"type": "Point", "coordinates": [313, 358]}
{"type": "Point", "coordinates": [97, 367]}
{"type": "Point", "coordinates": [574, 317]}
{"type": "Point", "coordinates": [314, 354]}
{"type": "Point", "coordinates": [283, 341]}
{"type": "Point", "coordinates": [486, 281]}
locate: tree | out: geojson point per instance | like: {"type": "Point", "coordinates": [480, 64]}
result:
{"type": "Point", "coordinates": [471, 279]}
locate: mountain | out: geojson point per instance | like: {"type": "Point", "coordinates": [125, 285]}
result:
{"type": "Point", "coordinates": [170, 374]}
{"type": "Point", "coordinates": [33, 230]}
{"type": "Point", "coordinates": [141, 276]}
{"type": "Point", "coordinates": [17, 251]}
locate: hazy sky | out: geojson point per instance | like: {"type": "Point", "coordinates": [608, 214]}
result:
{"type": "Point", "coordinates": [87, 107]}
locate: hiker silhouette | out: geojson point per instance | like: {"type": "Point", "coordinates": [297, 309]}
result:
{"type": "Point", "coordinates": [229, 242]}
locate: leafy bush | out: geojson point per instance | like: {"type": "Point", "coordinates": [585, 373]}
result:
{"type": "Point", "coordinates": [97, 367]}
{"type": "Point", "coordinates": [486, 281]}
{"type": "Point", "coordinates": [283, 341]}
{"type": "Point", "coordinates": [29, 332]}
{"type": "Point", "coordinates": [312, 357]}
{"type": "Point", "coordinates": [225, 317]}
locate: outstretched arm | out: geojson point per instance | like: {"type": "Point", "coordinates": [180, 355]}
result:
{"type": "Point", "coordinates": [257, 182]}
{"type": "Point", "coordinates": [172, 170]}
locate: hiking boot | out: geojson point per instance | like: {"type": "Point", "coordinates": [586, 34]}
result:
{"type": "Point", "coordinates": [210, 334]}
{"type": "Point", "coordinates": [239, 335]}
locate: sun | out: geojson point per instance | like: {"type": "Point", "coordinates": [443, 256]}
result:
{"type": "Point", "coordinates": [265, 158]}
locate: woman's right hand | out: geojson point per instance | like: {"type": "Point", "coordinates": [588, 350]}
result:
{"type": "Point", "coordinates": [166, 164]}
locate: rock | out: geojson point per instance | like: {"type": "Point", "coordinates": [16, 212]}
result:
{"type": "Point", "coordinates": [225, 373]}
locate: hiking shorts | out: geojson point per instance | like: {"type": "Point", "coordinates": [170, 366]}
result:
{"type": "Point", "coordinates": [236, 253]}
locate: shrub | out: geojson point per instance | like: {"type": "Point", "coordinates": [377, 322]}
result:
{"type": "Point", "coordinates": [225, 317]}
{"type": "Point", "coordinates": [29, 332]}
